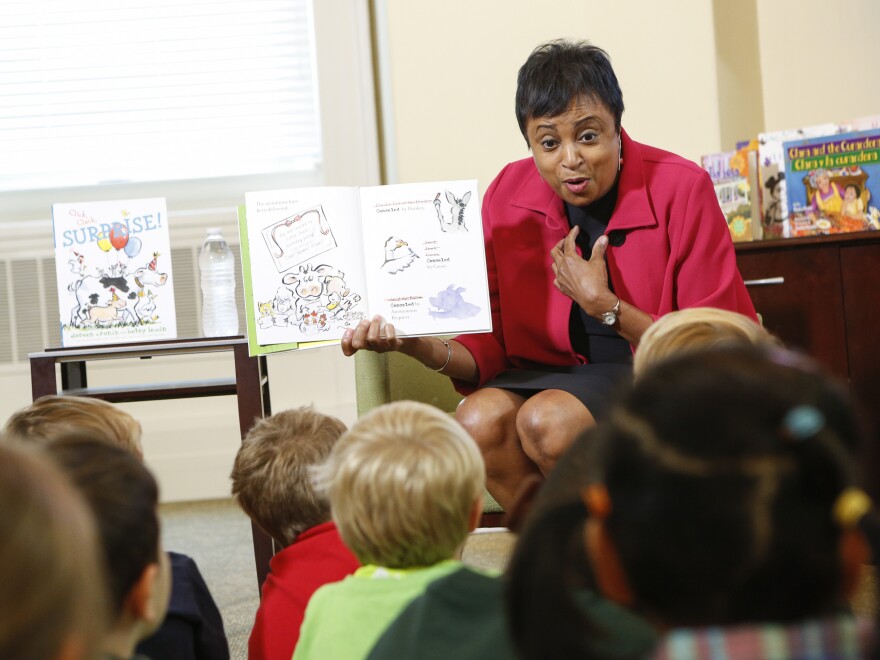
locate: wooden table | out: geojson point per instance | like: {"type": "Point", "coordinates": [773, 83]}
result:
{"type": "Point", "coordinates": [250, 386]}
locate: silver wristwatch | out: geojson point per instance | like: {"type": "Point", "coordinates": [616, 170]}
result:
{"type": "Point", "coordinates": [610, 317]}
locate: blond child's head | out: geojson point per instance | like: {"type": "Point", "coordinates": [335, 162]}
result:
{"type": "Point", "coordinates": [405, 485]}
{"type": "Point", "coordinates": [270, 477]}
{"type": "Point", "coordinates": [52, 417]}
{"type": "Point", "coordinates": [696, 328]}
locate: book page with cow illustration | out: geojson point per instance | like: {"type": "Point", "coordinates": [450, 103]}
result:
{"type": "Point", "coordinates": [322, 259]}
{"type": "Point", "coordinates": [113, 268]}
{"type": "Point", "coordinates": [305, 263]}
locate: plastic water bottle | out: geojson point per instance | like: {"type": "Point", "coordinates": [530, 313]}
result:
{"type": "Point", "coordinates": [217, 268]}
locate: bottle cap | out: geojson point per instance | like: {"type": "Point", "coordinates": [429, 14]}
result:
{"type": "Point", "coordinates": [213, 230]}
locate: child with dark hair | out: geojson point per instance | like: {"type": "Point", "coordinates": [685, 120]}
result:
{"type": "Point", "coordinates": [720, 504]}
{"type": "Point", "coordinates": [123, 497]}
{"type": "Point", "coordinates": [271, 481]}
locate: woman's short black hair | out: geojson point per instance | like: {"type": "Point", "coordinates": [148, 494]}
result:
{"type": "Point", "coordinates": [560, 71]}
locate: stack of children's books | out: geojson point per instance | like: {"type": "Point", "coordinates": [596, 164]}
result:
{"type": "Point", "coordinates": [808, 181]}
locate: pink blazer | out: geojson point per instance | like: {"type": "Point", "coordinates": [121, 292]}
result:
{"type": "Point", "coordinates": [677, 253]}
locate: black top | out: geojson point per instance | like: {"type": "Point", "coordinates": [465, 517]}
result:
{"type": "Point", "coordinates": [590, 337]}
{"type": "Point", "coordinates": [193, 626]}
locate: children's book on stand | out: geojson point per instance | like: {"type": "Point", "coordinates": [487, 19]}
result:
{"type": "Point", "coordinates": [316, 261]}
{"type": "Point", "coordinates": [771, 161]}
{"type": "Point", "coordinates": [833, 183]}
{"type": "Point", "coordinates": [729, 172]}
{"type": "Point", "coordinates": [113, 268]}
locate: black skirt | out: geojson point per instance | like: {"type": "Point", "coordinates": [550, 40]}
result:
{"type": "Point", "coordinates": [595, 385]}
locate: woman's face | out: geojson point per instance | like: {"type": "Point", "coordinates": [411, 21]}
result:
{"type": "Point", "coordinates": [823, 181]}
{"type": "Point", "coordinates": [576, 152]}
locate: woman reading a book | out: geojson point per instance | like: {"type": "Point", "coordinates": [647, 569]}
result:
{"type": "Point", "coordinates": [587, 242]}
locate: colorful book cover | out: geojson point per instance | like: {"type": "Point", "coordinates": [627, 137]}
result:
{"type": "Point", "coordinates": [729, 173]}
{"type": "Point", "coordinates": [833, 183]}
{"type": "Point", "coordinates": [321, 259]}
{"type": "Point", "coordinates": [771, 159]}
{"type": "Point", "coordinates": [113, 267]}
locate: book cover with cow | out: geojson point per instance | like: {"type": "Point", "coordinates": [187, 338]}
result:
{"type": "Point", "coordinates": [321, 259]}
{"type": "Point", "coordinates": [113, 266]}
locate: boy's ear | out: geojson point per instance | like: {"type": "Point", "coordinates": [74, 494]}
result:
{"type": "Point", "coordinates": [601, 550]}
{"type": "Point", "coordinates": [143, 601]}
{"type": "Point", "coordinates": [475, 514]}
{"type": "Point", "coordinates": [855, 552]}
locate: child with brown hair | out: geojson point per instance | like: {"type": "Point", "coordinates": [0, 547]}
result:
{"type": "Point", "coordinates": [405, 487]}
{"type": "Point", "coordinates": [193, 627]}
{"type": "Point", "coordinates": [52, 601]}
{"type": "Point", "coordinates": [271, 481]}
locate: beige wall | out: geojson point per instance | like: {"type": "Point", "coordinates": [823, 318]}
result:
{"type": "Point", "coordinates": [453, 68]}
{"type": "Point", "coordinates": [819, 61]}
{"type": "Point", "coordinates": [697, 75]}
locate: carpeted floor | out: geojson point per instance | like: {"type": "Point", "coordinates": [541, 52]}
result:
{"type": "Point", "coordinates": [218, 536]}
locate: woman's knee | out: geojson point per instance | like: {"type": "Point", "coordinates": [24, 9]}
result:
{"type": "Point", "coordinates": [549, 422]}
{"type": "Point", "coordinates": [488, 417]}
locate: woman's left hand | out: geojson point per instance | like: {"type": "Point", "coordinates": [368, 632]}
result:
{"type": "Point", "coordinates": [585, 281]}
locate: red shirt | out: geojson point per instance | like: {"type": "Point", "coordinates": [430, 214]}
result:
{"type": "Point", "coordinates": [316, 558]}
{"type": "Point", "coordinates": [677, 253]}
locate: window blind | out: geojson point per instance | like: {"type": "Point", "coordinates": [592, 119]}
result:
{"type": "Point", "coordinates": [97, 91]}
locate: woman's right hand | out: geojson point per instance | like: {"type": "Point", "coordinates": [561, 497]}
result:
{"type": "Point", "coordinates": [374, 335]}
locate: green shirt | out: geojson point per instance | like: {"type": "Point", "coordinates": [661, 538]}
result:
{"type": "Point", "coordinates": [344, 619]}
{"type": "Point", "coordinates": [462, 616]}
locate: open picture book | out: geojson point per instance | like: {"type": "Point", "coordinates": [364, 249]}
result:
{"type": "Point", "coordinates": [317, 261]}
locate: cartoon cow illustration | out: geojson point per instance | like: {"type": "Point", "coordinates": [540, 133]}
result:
{"type": "Point", "coordinates": [95, 291]}
{"type": "Point", "coordinates": [320, 296]}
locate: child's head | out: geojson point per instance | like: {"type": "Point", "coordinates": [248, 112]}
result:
{"type": "Point", "coordinates": [405, 485]}
{"type": "Point", "coordinates": [270, 477]}
{"type": "Point", "coordinates": [720, 473]}
{"type": "Point", "coordinates": [51, 417]}
{"type": "Point", "coordinates": [696, 328]}
{"type": "Point", "coordinates": [123, 497]}
{"type": "Point", "coordinates": [851, 192]}
{"type": "Point", "coordinates": [52, 603]}
{"type": "Point", "coordinates": [712, 498]}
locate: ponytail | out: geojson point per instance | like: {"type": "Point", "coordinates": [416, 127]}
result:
{"type": "Point", "coordinates": [546, 568]}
